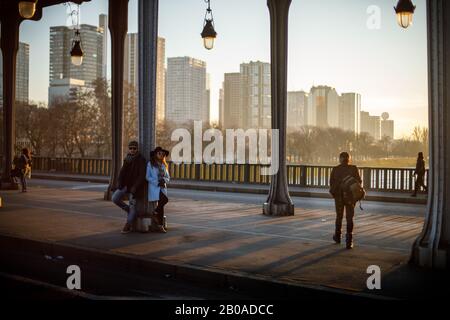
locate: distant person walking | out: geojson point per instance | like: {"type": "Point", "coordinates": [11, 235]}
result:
{"type": "Point", "coordinates": [130, 183]}
{"type": "Point", "coordinates": [420, 173]}
{"type": "Point", "coordinates": [24, 168]}
{"type": "Point", "coordinates": [158, 177]}
{"type": "Point", "coordinates": [342, 177]}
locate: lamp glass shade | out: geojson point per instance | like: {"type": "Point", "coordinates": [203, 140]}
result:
{"type": "Point", "coordinates": [27, 9]}
{"type": "Point", "coordinates": [76, 54]}
{"type": "Point", "coordinates": [77, 60]}
{"type": "Point", "coordinates": [404, 19]}
{"type": "Point", "coordinates": [208, 42]}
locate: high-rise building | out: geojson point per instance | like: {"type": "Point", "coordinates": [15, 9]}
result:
{"type": "Point", "coordinates": [232, 115]}
{"type": "Point", "coordinates": [131, 63]}
{"type": "Point", "coordinates": [131, 71]}
{"type": "Point", "coordinates": [297, 102]}
{"type": "Point", "coordinates": [92, 41]}
{"type": "Point", "coordinates": [103, 25]}
{"type": "Point", "coordinates": [323, 107]}
{"type": "Point", "coordinates": [256, 94]}
{"type": "Point", "coordinates": [22, 74]}
{"type": "Point", "coordinates": [221, 107]}
{"type": "Point", "coordinates": [208, 97]}
{"type": "Point", "coordinates": [64, 90]}
{"type": "Point", "coordinates": [371, 125]}
{"type": "Point", "coordinates": [186, 90]}
{"type": "Point", "coordinates": [387, 126]}
{"type": "Point", "coordinates": [350, 112]}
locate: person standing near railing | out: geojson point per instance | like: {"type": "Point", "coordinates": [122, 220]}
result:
{"type": "Point", "coordinates": [340, 173]}
{"type": "Point", "coordinates": [131, 183]}
{"type": "Point", "coordinates": [420, 173]}
{"type": "Point", "coordinates": [158, 177]}
{"type": "Point", "coordinates": [24, 168]}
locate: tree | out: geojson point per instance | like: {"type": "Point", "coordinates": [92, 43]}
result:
{"type": "Point", "coordinates": [32, 123]}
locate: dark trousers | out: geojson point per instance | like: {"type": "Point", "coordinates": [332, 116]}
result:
{"type": "Point", "coordinates": [349, 214]}
{"type": "Point", "coordinates": [160, 208]}
{"type": "Point", "coordinates": [419, 183]}
{"type": "Point", "coordinates": [23, 181]}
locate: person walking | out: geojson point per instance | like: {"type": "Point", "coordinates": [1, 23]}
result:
{"type": "Point", "coordinates": [130, 183]}
{"type": "Point", "coordinates": [158, 177]}
{"type": "Point", "coordinates": [338, 175]}
{"type": "Point", "coordinates": [24, 166]}
{"type": "Point", "coordinates": [420, 173]}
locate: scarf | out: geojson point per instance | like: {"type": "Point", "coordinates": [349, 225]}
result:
{"type": "Point", "coordinates": [130, 158]}
{"type": "Point", "coordinates": [161, 171]}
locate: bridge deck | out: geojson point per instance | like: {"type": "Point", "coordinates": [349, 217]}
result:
{"type": "Point", "coordinates": [220, 236]}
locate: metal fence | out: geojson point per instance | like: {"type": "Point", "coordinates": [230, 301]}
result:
{"type": "Point", "coordinates": [376, 179]}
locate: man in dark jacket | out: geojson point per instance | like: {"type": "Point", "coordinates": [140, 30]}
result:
{"type": "Point", "coordinates": [131, 182]}
{"type": "Point", "coordinates": [343, 170]}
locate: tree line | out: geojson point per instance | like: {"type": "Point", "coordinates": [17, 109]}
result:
{"type": "Point", "coordinates": [82, 128]}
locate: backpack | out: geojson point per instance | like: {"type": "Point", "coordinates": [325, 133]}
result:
{"type": "Point", "coordinates": [352, 191]}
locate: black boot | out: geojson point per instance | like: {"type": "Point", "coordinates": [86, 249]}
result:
{"type": "Point", "coordinates": [337, 237]}
{"type": "Point", "coordinates": [349, 241]}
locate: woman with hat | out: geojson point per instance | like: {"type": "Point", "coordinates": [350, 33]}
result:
{"type": "Point", "coordinates": [158, 177]}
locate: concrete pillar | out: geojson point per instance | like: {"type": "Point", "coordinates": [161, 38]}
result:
{"type": "Point", "coordinates": [279, 202]}
{"type": "Point", "coordinates": [431, 248]}
{"type": "Point", "coordinates": [118, 26]}
{"type": "Point", "coordinates": [9, 46]}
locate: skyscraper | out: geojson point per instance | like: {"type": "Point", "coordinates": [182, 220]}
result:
{"type": "Point", "coordinates": [92, 41]}
{"type": "Point", "coordinates": [103, 25]}
{"type": "Point", "coordinates": [22, 74]}
{"type": "Point", "coordinates": [186, 90]}
{"type": "Point", "coordinates": [131, 71]}
{"type": "Point", "coordinates": [232, 115]}
{"type": "Point", "coordinates": [256, 94]}
{"type": "Point", "coordinates": [297, 102]}
{"type": "Point", "coordinates": [323, 107]}
{"type": "Point", "coordinates": [350, 112]}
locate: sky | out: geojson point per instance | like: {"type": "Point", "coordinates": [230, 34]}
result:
{"type": "Point", "coordinates": [330, 43]}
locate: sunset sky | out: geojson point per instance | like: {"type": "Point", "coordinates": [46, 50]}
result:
{"type": "Point", "coordinates": [330, 44]}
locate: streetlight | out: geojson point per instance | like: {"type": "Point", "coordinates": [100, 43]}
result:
{"type": "Point", "coordinates": [76, 53]}
{"type": "Point", "coordinates": [208, 33]}
{"type": "Point", "coordinates": [405, 11]}
{"type": "Point", "coordinates": [27, 9]}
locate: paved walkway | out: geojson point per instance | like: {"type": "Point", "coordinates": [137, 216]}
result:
{"type": "Point", "coordinates": [398, 197]}
{"type": "Point", "coordinates": [219, 236]}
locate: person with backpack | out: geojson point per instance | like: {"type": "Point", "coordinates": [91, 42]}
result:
{"type": "Point", "coordinates": [23, 165]}
{"type": "Point", "coordinates": [420, 173]}
{"type": "Point", "coordinates": [346, 189]}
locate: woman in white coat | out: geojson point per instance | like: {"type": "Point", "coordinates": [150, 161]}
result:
{"type": "Point", "coordinates": [158, 177]}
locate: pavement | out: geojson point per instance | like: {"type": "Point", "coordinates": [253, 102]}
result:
{"type": "Point", "coordinates": [221, 239]}
{"type": "Point", "coordinates": [295, 191]}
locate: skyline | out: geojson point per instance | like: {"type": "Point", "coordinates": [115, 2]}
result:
{"type": "Point", "coordinates": [370, 62]}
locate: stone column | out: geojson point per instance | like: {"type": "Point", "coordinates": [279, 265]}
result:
{"type": "Point", "coordinates": [9, 46]}
{"type": "Point", "coordinates": [431, 248]}
{"type": "Point", "coordinates": [278, 202]}
{"type": "Point", "coordinates": [118, 25]}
